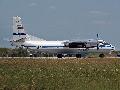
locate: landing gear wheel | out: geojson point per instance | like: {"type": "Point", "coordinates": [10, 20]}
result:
{"type": "Point", "coordinates": [69, 55]}
{"type": "Point", "coordinates": [59, 55]}
{"type": "Point", "coordinates": [78, 55]}
{"type": "Point", "coordinates": [31, 55]}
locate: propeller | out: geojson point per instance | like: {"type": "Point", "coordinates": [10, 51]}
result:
{"type": "Point", "coordinates": [97, 42]}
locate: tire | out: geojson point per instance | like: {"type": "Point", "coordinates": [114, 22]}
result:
{"type": "Point", "coordinates": [59, 56]}
{"type": "Point", "coordinates": [78, 56]}
{"type": "Point", "coordinates": [69, 55]}
{"type": "Point", "coordinates": [31, 55]}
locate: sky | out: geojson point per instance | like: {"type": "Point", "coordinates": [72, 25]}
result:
{"type": "Point", "coordinates": [63, 19]}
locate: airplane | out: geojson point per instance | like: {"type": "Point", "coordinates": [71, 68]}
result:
{"type": "Point", "coordinates": [21, 39]}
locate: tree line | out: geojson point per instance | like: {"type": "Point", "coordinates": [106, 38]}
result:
{"type": "Point", "coordinates": [17, 52]}
{"type": "Point", "coordinates": [20, 52]}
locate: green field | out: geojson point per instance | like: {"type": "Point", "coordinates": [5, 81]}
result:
{"type": "Point", "coordinates": [60, 74]}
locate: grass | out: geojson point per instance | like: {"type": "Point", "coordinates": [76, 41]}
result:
{"type": "Point", "coordinates": [59, 74]}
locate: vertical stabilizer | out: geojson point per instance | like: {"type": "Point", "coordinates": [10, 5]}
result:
{"type": "Point", "coordinates": [18, 29]}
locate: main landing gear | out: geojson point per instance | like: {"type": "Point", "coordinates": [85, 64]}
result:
{"type": "Point", "coordinates": [61, 55]}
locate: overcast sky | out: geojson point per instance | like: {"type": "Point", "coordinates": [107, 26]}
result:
{"type": "Point", "coordinates": [63, 19]}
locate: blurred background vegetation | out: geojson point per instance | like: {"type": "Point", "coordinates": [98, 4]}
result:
{"type": "Point", "coordinates": [20, 52]}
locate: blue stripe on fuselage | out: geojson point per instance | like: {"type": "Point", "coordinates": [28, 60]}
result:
{"type": "Point", "coordinates": [51, 46]}
{"type": "Point", "coordinates": [46, 46]}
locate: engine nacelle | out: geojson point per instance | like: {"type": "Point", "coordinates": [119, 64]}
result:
{"type": "Point", "coordinates": [80, 44]}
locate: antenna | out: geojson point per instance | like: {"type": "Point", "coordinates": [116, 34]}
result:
{"type": "Point", "coordinates": [97, 36]}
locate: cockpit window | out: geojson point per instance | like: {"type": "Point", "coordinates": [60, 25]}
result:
{"type": "Point", "coordinates": [106, 44]}
{"type": "Point", "coordinates": [102, 46]}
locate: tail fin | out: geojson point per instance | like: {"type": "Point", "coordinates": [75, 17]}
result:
{"type": "Point", "coordinates": [18, 29]}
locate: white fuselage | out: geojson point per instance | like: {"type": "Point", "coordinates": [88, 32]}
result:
{"type": "Point", "coordinates": [43, 44]}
